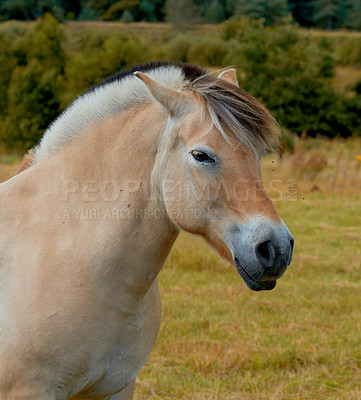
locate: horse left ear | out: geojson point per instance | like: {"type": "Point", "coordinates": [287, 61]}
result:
{"type": "Point", "coordinates": [176, 103]}
{"type": "Point", "coordinates": [229, 75]}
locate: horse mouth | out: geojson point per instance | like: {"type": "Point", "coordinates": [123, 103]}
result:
{"type": "Point", "coordinates": [251, 282]}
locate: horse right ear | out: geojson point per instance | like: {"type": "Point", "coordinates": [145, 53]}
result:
{"type": "Point", "coordinates": [229, 75]}
{"type": "Point", "coordinates": [176, 103]}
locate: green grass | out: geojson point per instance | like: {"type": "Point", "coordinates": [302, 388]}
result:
{"type": "Point", "coordinates": [302, 340]}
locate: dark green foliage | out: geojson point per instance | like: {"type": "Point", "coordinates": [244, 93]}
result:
{"type": "Point", "coordinates": [88, 13]}
{"type": "Point", "coordinates": [151, 10]}
{"type": "Point", "coordinates": [214, 12]}
{"type": "Point", "coordinates": [98, 58]}
{"type": "Point", "coordinates": [352, 110]}
{"type": "Point", "coordinates": [31, 9]}
{"type": "Point", "coordinates": [31, 83]}
{"type": "Point", "coordinates": [72, 8]}
{"type": "Point", "coordinates": [177, 49]}
{"type": "Point", "coordinates": [127, 17]}
{"type": "Point", "coordinates": [32, 104]}
{"type": "Point", "coordinates": [181, 13]}
{"type": "Point", "coordinates": [271, 11]}
{"type": "Point", "coordinates": [310, 13]}
{"type": "Point", "coordinates": [290, 72]}
{"type": "Point", "coordinates": [209, 52]}
{"type": "Point", "coordinates": [302, 12]}
{"type": "Point", "coordinates": [330, 12]}
{"type": "Point", "coordinates": [353, 19]}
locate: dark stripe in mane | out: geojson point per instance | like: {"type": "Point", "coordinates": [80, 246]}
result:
{"type": "Point", "coordinates": [191, 72]}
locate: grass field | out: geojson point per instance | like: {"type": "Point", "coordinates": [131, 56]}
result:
{"type": "Point", "coordinates": [302, 340]}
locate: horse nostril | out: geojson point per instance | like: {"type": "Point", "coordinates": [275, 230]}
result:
{"type": "Point", "coordinates": [292, 242]}
{"type": "Point", "coordinates": [265, 253]}
{"type": "Point", "coordinates": [263, 249]}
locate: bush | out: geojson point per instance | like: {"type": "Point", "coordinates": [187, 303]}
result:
{"type": "Point", "coordinates": [352, 110]}
{"type": "Point", "coordinates": [209, 52]}
{"type": "Point", "coordinates": [177, 48]}
{"type": "Point", "coordinates": [348, 51]}
{"type": "Point", "coordinates": [31, 81]}
{"type": "Point", "coordinates": [33, 104]}
{"type": "Point", "coordinates": [93, 64]}
{"type": "Point", "coordinates": [285, 68]}
{"type": "Point", "coordinates": [290, 72]}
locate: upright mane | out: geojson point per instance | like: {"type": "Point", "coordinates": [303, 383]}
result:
{"type": "Point", "coordinates": [228, 105]}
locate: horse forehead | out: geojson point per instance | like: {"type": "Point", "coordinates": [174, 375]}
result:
{"type": "Point", "coordinates": [206, 133]}
{"type": "Point", "coordinates": [198, 127]}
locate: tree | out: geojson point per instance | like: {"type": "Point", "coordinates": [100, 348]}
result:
{"type": "Point", "coordinates": [290, 71]}
{"type": "Point", "coordinates": [126, 17]}
{"type": "Point", "coordinates": [329, 12]}
{"type": "Point", "coordinates": [271, 11]}
{"type": "Point", "coordinates": [100, 59]}
{"type": "Point", "coordinates": [112, 10]}
{"type": "Point", "coordinates": [302, 11]}
{"type": "Point", "coordinates": [33, 104]}
{"type": "Point", "coordinates": [354, 15]}
{"type": "Point", "coordinates": [215, 12]}
{"type": "Point", "coordinates": [32, 95]}
{"type": "Point", "coordinates": [181, 13]}
{"type": "Point", "coordinates": [72, 8]}
{"type": "Point", "coordinates": [31, 9]}
{"type": "Point", "coordinates": [88, 13]}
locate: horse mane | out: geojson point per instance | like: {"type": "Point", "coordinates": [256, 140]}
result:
{"type": "Point", "coordinates": [27, 161]}
{"type": "Point", "coordinates": [228, 106]}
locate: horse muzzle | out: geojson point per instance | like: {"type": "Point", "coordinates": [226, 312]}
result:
{"type": "Point", "coordinates": [262, 253]}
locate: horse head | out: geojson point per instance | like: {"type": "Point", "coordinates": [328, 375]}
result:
{"type": "Point", "coordinates": [210, 174]}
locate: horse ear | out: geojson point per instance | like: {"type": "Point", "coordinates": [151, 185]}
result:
{"type": "Point", "coordinates": [229, 75]}
{"type": "Point", "coordinates": [176, 103]}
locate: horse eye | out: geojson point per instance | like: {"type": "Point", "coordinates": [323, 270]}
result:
{"type": "Point", "coordinates": [201, 156]}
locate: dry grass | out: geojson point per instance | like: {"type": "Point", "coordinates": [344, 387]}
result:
{"type": "Point", "coordinates": [331, 167]}
{"type": "Point", "coordinates": [221, 341]}
{"type": "Point", "coordinates": [345, 77]}
{"type": "Point", "coordinates": [334, 33]}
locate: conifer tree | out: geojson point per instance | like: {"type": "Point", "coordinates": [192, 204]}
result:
{"type": "Point", "coordinates": [271, 11]}
{"type": "Point", "coordinates": [181, 13]}
{"type": "Point", "coordinates": [329, 12]}
{"type": "Point", "coordinates": [302, 11]}
{"type": "Point", "coordinates": [215, 12]}
{"type": "Point", "coordinates": [354, 15]}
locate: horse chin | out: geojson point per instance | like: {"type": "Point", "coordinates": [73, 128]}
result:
{"type": "Point", "coordinates": [252, 283]}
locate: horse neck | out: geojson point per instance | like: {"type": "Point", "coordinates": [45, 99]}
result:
{"type": "Point", "coordinates": [114, 168]}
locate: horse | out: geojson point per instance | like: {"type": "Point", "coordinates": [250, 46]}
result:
{"type": "Point", "coordinates": [88, 223]}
